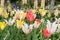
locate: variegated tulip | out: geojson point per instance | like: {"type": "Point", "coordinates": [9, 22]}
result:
{"type": "Point", "coordinates": [27, 28]}
{"type": "Point", "coordinates": [19, 23]}
{"type": "Point", "coordinates": [36, 23]}
{"type": "Point", "coordinates": [10, 22]}
{"type": "Point", "coordinates": [51, 27]}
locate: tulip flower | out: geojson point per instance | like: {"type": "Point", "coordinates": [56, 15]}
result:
{"type": "Point", "coordinates": [19, 24]}
{"type": "Point", "coordinates": [27, 28]}
{"type": "Point", "coordinates": [36, 23]}
{"type": "Point", "coordinates": [29, 16]}
{"type": "Point", "coordinates": [5, 15]}
{"type": "Point", "coordinates": [22, 16]}
{"type": "Point", "coordinates": [42, 12]}
{"type": "Point", "coordinates": [2, 25]}
{"type": "Point", "coordinates": [45, 33]}
{"type": "Point", "coordinates": [51, 27]}
{"type": "Point", "coordinates": [10, 22]}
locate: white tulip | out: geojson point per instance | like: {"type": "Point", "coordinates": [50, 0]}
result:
{"type": "Point", "coordinates": [51, 27]}
{"type": "Point", "coordinates": [27, 28]}
{"type": "Point", "coordinates": [10, 22]}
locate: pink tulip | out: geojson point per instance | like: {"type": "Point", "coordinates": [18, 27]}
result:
{"type": "Point", "coordinates": [37, 23]}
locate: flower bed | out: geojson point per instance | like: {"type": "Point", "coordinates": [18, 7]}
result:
{"type": "Point", "coordinates": [33, 24]}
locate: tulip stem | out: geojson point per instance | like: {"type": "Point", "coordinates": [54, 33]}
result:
{"type": "Point", "coordinates": [28, 37]}
{"type": "Point", "coordinates": [6, 35]}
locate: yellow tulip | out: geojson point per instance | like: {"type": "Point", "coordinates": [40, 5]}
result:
{"type": "Point", "coordinates": [19, 24]}
{"type": "Point", "coordinates": [42, 12]}
{"type": "Point", "coordinates": [5, 15]}
{"type": "Point", "coordinates": [2, 25]}
{"type": "Point", "coordinates": [22, 15]}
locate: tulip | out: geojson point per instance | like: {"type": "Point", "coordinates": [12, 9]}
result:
{"type": "Point", "coordinates": [5, 15]}
{"type": "Point", "coordinates": [22, 16]}
{"type": "Point", "coordinates": [27, 28]}
{"type": "Point", "coordinates": [36, 23]}
{"type": "Point", "coordinates": [42, 12]}
{"type": "Point", "coordinates": [29, 16]}
{"type": "Point", "coordinates": [10, 22]}
{"type": "Point", "coordinates": [19, 24]}
{"type": "Point", "coordinates": [45, 33]}
{"type": "Point", "coordinates": [51, 27]}
{"type": "Point", "coordinates": [2, 25]}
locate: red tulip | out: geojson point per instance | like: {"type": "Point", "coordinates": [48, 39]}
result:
{"type": "Point", "coordinates": [45, 33]}
{"type": "Point", "coordinates": [29, 16]}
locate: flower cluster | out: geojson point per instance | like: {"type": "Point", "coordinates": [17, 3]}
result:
{"type": "Point", "coordinates": [27, 20]}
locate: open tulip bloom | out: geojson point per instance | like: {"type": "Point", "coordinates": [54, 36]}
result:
{"type": "Point", "coordinates": [27, 28]}
{"type": "Point", "coordinates": [30, 16]}
{"type": "Point", "coordinates": [10, 21]}
{"type": "Point", "coordinates": [51, 27]}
